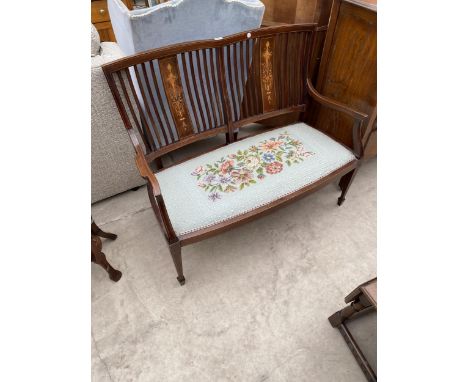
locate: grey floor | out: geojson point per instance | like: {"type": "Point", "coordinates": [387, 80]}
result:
{"type": "Point", "coordinates": [256, 301]}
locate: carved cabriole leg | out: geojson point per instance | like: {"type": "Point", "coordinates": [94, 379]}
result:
{"type": "Point", "coordinates": [99, 258]}
{"type": "Point", "coordinates": [176, 253]}
{"type": "Point", "coordinates": [95, 230]}
{"type": "Point", "coordinates": [345, 183]}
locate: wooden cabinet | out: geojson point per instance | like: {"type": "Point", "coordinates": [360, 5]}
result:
{"type": "Point", "coordinates": [101, 19]}
{"type": "Point", "coordinates": [348, 69]}
{"type": "Point", "coordinates": [296, 11]}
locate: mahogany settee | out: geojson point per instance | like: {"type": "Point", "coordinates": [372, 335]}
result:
{"type": "Point", "coordinates": [174, 96]}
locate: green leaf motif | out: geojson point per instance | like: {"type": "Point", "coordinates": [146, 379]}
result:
{"type": "Point", "coordinates": [245, 163]}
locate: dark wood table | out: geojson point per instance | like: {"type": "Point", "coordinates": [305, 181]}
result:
{"type": "Point", "coordinates": [361, 300]}
{"type": "Point", "coordinates": [97, 256]}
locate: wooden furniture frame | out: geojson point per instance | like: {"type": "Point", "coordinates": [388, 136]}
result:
{"type": "Point", "coordinates": [277, 84]}
{"type": "Point", "coordinates": [97, 256]}
{"type": "Point", "coordinates": [361, 300]}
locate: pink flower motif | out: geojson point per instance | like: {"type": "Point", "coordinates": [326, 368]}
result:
{"type": "Point", "coordinates": [226, 167]}
{"type": "Point", "coordinates": [274, 168]}
{"type": "Point", "coordinates": [198, 170]}
{"type": "Point", "coordinates": [241, 176]}
{"type": "Point", "coordinates": [301, 152]}
{"type": "Point", "coordinates": [271, 145]}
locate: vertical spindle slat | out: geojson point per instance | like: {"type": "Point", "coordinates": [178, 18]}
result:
{"type": "Point", "coordinates": [256, 75]}
{"type": "Point", "coordinates": [304, 65]}
{"type": "Point", "coordinates": [276, 70]}
{"type": "Point", "coordinates": [130, 107]}
{"type": "Point", "coordinates": [216, 86]}
{"type": "Point", "coordinates": [230, 81]}
{"type": "Point", "coordinates": [189, 91]}
{"type": "Point", "coordinates": [292, 79]}
{"type": "Point", "coordinates": [309, 59]}
{"type": "Point", "coordinates": [299, 70]}
{"type": "Point", "coordinates": [147, 134]}
{"type": "Point", "coordinates": [243, 80]}
{"type": "Point", "coordinates": [225, 98]}
{"type": "Point", "coordinates": [153, 102]}
{"type": "Point", "coordinates": [161, 103]}
{"type": "Point", "coordinates": [284, 75]}
{"type": "Point", "coordinates": [143, 92]}
{"type": "Point", "coordinates": [203, 89]}
{"type": "Point", "coordinates": [211, 96]}
{"type": "Point", "coordinates": [249, 83]}
{"type": "Point", "coordinates": [196, 89]}
{"type": "Point", "coordinates": [236, 81]}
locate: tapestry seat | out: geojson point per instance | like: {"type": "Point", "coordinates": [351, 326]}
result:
{"type": "Point", "coordinates": [247, 174]}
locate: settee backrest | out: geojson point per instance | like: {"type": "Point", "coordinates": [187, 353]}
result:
{"type": "Point", "coordinates": [242, 79]}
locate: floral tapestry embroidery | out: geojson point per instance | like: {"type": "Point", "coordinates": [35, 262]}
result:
{"type": "Point", "coordinates": [247, 167]}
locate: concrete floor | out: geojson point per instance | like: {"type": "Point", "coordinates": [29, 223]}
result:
{"type": "Point", "coordinates": [256, 301]}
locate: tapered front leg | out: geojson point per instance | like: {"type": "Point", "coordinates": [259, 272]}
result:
{"type": "Point", "coordinates": [345, 183]}
{"type": "Point", "coordinates": [176, 253]}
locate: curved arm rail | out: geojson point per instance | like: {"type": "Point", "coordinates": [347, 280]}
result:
{"type": "Point", "coordinates": [358, 116]}
{"type": "Point", "coordinates": [155, 191]}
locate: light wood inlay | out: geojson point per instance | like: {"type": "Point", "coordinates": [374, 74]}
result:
{"type": "Point", "coordinates": [267, 46]}
{"type": "Point", "coordinates": [174, 91]}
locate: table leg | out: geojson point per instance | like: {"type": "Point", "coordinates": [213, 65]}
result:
{"type": "Point", "coordinates": [95, 230]}
{"type": "Point", "coordinates": [356, 306]}
{"type": "Point", "coordinates": [98, 257]}
{"type": "Point", "coordinates": [360, 305]}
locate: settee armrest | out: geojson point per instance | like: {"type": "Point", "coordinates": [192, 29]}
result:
{"type": "Point", "coordinates": [358, 116]}
{"type": "Point", "coordinates": [142, 164]}
{"type": "Point", "coordinates": [157, 201]}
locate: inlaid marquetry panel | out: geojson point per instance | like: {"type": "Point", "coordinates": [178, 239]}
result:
{"type": "Point", "coordinates": [267, 81]}
{"type": "Point", "coordinates": [175, 95]}
{"type": "Point", "coordinates": [189, 92]}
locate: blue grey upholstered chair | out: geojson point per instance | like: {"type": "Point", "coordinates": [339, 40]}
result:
{"type": "Point", "coordinates": [178, 21]}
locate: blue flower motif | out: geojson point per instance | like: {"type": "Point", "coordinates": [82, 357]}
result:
{"type": "Point", "coordinates": [224, 179]}
{"type": "Point", "coordinates": [209, 178]}
{"type": "Point", "coordinates": [214, 196]}
{"type": "Point", "coordinates": [268, 157]}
